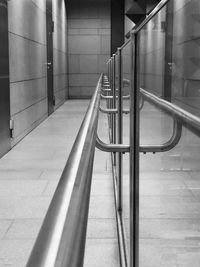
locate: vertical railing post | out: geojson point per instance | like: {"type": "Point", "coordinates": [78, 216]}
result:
{"type": "Point", "coordinates": [107, 70]}
{"type": "Point", "coordinates": [134, 155]}
{"type": "Point", "coordinates": [120, 127]}
{"type": "Point", "coordinates": [111, 100]}
{"type": "Point", "coordinates": [114, 104]}
{"type": "Point", "coordinates": [108, 102]}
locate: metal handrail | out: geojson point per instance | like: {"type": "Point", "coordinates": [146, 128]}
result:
{"type": "Point", "coordinates": [61, 240]}
{"type": "Point", "coordinates": [111, 97]}
{"type": "Point", "coordinates": [190, 121]}
{"type": "Point", "coordinates": [151, 15]}
{"type": "Point", "coordinates": [111, 147]}
{"type": "Point", "coordinates": [113, 110]}
{"type": "Point", "coordinates": [125, 44]}
{"type": "Point", "coordinates": [123, 148]}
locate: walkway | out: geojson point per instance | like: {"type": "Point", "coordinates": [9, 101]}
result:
{"type": "Point", "coordinates": [28, 177]}
{"type": "Point", "coordinates": [102, 245]}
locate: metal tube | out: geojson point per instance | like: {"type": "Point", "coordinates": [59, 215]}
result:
{"type": "Point", "coordinates": [114, 105]}
{"type": "Point", "coordinates": [111, 97]}
{"type": "Point", "coordinates": [106, 110]}
{"type": "Point", "coordinates": [112, 100]}
{"type": "Point", "coordinates": [111, 147]}
{"type": "Point", "coordinates": [189, 120]}
{"type": "Point", "coordinates": [61, 240]}
{"type": "Point", "coordinates": [134, 156]}
{"type": "Point", "coordinates": [120, 128]}
{"type": "Point", "coordinates": [151, 15]}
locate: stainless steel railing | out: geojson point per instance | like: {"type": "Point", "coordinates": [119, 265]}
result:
{"type": "Point", "coordinates": [113, 94]}
{"type": "Point", "coordinates": [61, 240]}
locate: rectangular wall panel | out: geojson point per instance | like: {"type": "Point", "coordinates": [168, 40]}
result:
{"type": "Point", "coordinates": [88, 45]}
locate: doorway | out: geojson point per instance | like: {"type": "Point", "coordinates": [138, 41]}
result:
{"type": "Point", "coordinates": [50, 29]}
{"type": "Point", "coordinates": [5, 141]}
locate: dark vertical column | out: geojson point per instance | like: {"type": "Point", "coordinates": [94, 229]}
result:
{"type": "Point", "coordinates": [5, 142]}
{"type": "Point", "coordinates": [168, 52]}
{"type": "Point", "coordinates": [134, 153]}
{"type": "Point", "coordinates": [117, 25]}
{"type": "Point", "coordinates": [50, 26]}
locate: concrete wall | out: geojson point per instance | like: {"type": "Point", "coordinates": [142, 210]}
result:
{"type": "Point", "coordinates": [27, 49]}
{"type": "Point", "coordinates": [88, 44]}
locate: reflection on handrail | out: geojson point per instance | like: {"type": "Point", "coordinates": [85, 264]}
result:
{"type": "Point", "coordinates": [151, 15]}
{"type": "Point", "coordinates": [125, 44]}
{"type": "Point", "coordinates": [61, 240]}
{"type": "Point", "coordinates": [126, 82]}
{"type": "Point", "coordinates": [106, 90]}
{"type": "Point", "coordinates": [189, 120]}
{"type": "Point", "coordinates": [176, 136]}
{"type": "Point", "coordinates": [111, 147]}
{"type": "Point", "coordinates": [113, 111]}
{"type": "Point", "coordinates": [111, 97]}
{"type": "Point", "coordinates": [170, 144]}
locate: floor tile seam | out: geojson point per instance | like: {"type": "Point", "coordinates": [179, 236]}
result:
{"type": "Point", "coordinates": [10, 226]}
{"type": "Point", "coordinates": [20, 238]}
{"type": "Point", "coordinates": [190, 190]}
{"type": "Point", "coordinates": [45, 188]}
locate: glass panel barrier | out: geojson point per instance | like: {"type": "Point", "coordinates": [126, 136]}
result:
{"type": "Point", "coordinates": [126, 84]}
{"type": "Point", "coordinates": [168, 57]}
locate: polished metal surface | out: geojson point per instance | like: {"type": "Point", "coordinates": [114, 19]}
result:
{"type": "Point", "coordinates": [61, 240]}
{"type": "Point", "coordinates": [137, 97]}
{"type": "Point", "coordinates": [125, 44]}
{"type": "Point", "coordinates": [186, 118]}
{"type": "Point", "coordinates": [106, 110]}
{"type": "Point", "coordinates": [5, 142]}
{"type": "Point", "coordinates": [134, 156]}
{"type": "Point", "coordinates": [120, 127]}
{"type": "Point", "coordinates": [111, 97]}
{"type": "Point", "coordinates": [111, 147]}
{"type": "Point", "coordinates": [114, 103]}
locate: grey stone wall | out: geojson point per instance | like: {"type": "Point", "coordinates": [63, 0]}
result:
{"type": "Point", "coordinates": [88, 44]}
{"type": "Point", "coordinates": [27, 50]}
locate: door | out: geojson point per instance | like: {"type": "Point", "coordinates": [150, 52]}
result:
{"type": "Point", "coordinates": [49, 23]}
{"type": "Point", "coordinates": [5, 142]}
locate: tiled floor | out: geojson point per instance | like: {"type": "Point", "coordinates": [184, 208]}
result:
{"type": "Point", "coordinates": [29, 174]}
{"type": "Point", "coordinates": [102, 245]}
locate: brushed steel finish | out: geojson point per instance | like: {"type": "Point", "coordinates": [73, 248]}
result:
{"type": "Point", "coordinates": [61, 240]}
